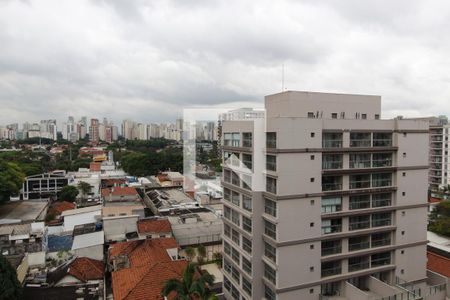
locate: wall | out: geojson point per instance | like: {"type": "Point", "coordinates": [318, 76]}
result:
{"type": "Point", "coordinates": [115, 228]}
{"type": "Point", "coordinates": [78, 219]}
{"type": "Point", "coordinates": [94, 252]}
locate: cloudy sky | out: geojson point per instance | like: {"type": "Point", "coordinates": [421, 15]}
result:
{"type": "Point", "coordinates": [148, 59]}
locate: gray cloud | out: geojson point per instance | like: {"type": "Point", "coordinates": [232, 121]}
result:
{"type": "Point", "coordinates": [147, 60]}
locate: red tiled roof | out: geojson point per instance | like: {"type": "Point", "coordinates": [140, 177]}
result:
{"type": "Point", "coordinates": [438, 263]}
{"type": "Point", "coordinates": [434, 200]}
{"type": "Point", "coordinates": [59, 207]}
{"type": "Point", "coordinates": [114, 181]}
{"type": "Point", "coordinates": [95, 166]}
{"type": "Point", "coordinates": [157, 226]}
{"type": "Point", "coordinates": [119, 191]}
{"type": "Point", "coordinates": [150, 267]}
{"type": "Point", "coordinates": [85, 269]}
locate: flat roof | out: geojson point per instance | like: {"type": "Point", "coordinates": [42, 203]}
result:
{"type": "Point", "coordinates": [24, 210]}
{"type": "Point", "coordinates": [82, 210]}
{"type": "Point", "coordinates": [438, 241]}
{"type": "Point", "coordinates": [88, 240]}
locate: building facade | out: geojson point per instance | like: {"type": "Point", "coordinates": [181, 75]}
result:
{"type": "Point", "coordinates": [325, 200]}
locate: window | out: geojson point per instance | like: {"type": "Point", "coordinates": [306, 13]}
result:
{"type": "Point", "coordinates": [235, 198]}
{"type": "Point", "coordinates": [380, 180]}
{"type": "Point", "coordinates": [271, 185]}
{"type": "Point", "coordinates": [226, 194]}
{"type": "Point", "coordinates": [247, 161]}
{"type": "Point", "coordinates": [235, 236]}
{"type": "Point", "coordinates": [247, 224]}
{"type": "Point", "coordinates": [359, 222]}
{"type": "Point", "coordinates": [311, 269]}
{"type": "Point", "coordinates": [247, 140]}
{"type": "Point", "coordinates": [381, 259]}
{"type": "Point", "coordinates": [227, 139]}
{"type": "Point", "coordinates": [246, 265]}
{"type": "Point", "coordinates": [381, 239]}
{"type": "Point", "coordinates": [331, 183]}
{"type": "Point", "coordinates": [358, 263]}
{"type": "Point", "coordinates": [227, 212]}
{"type": "Point", "coordinates": [359, 161]}
{"type": "Point", "coordinates": [227, 230]}
{"type": "Point", "coordinates": [311, 179]}
{"type": "Point", "coordinates": [313, 134]}
{"type": "Point", "coordinates": [247, 202]}
{"type": "Point", "coordinates": [270, 229]}
{"type": "Point", "coordinates": [235, 139]}
{"type": "Point", "coordinates": [235, 217]}
{"type": "Point", "coordinates": [334, 115]}
{"type": "Point", "coordinates": [379, 200]}
{"type": "Point", "coordinates": [247, 181]}
{"type": "Point", "coordinates": [377, 116]}
{"type": "Point", "coordinates": [270, 252]}
{"type": "Point", "coordinates": [226, 248]}
{"type": "Point", "coordinates": [269, 273]}
{"type": "Point", "coordinates": [331, 247]}
{"type": "Point", "coordinates": [271, 163]}
{"type": "Point", "coordinates": [270, 207]}
{"type": "Point", "coordinates": [358, 243]}
{"type": "Point", "coordinates": [360, 139]}
{"type": "Point", "coordinates": [332, 140]}
{"type": "Point", "coordinates": [364, 116]}
{"type": "Point", "coordinates": [227, 266]}
{"type": "Point", "coordinates": [235, 255]}
{"type": "Point", "coordinates": [246, 286]}
{"type": "Point", "coordinates": [269, 294]}
{"type": "Point", "coordinates": [311, 115]}
{"type": "Point", "coordinates": [331, 268]}
{"type": "Point", "coordinates": [331, 226]}
{"type": "Point", "coordinates": [246, 245]}
{"type": "Point", "coordinates": [331, 204]}
{"type": "Point", "coordinates": [331, 161]}
{"type": "Point", "coordinates": [235, 178]}
{"type": "Point", "coordinates": [312, 157]}
{"type": "Point", "coordinates": [227, 176]}
{"type": "Point", "coordinates": [235, 274]}
{"type": "Point", "coordinates": [271, 139]}
{"type": "Point", "coordinates": [381, 219]}
{"type": "Point", "coordinates": [359, 181]}
{"type": "Point", "coordinates": [382, 139]}
{"type": "Point", "coordinates": [380, 160]}
{"type": "Point", "coordinates": [359, 202]}
{"type": "Point", "coordinates": [311, 224]}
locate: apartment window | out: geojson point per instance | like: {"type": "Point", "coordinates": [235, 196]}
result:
{"type": "Point", "coordinates": [360, 139]}
{"type": "Point", "coordinates": [227, 139]}
{"type": "Point", "coordinates": [381, 219]}
{"type": "Point", "coordinates": [270, 207]}
{"type": "Point", "coordinates": [359, 202]}
{"type": "Point", "coordinates": [271, 139]}
{"type": "Point", "coordinates": [331, 226]}
{"type": "Point", "coordinates": [403, 193]}
{"type": "Point", "coordinates": [332, 140]}
{"type": "Point", "coordinates": [235, 236]}
{"type": "Point", "coordinates": [270, 229]}
{"type": "Point", "coordinates": [334, 115]}
{"type": "Point", "coordinates": [358, 243]}
{"type": "Point", "coordinates": [364, 116]}
{"type": "Point", "coordinates": [235, 217]}
{"type": "Point", "coordinates": [235, 256]}
{"type": "Point", "coordinates": [331, 183]}
{"type": "Point", "coordinates": [380, 180]}
{"type": "Point", "coordinates": [271, 185]}
{"type": "Point", "coordinates": [359, 222]}
{"type": "Point", "coordinates": [331, 204]}
{"type": "Point", "coordinates": [227, 212]}
{"type": "Point", "coordinates": [247, 161]}
{"type": "Point", "coordinates": [270, 252]}
{"type": "Point", "coordinates": [380, 259]}
{"type": "Point", "coordinates": [358, 263]}
{"type": "Point", "coordinates": [269, 294]}
{"type": "Point", "coordinates": [247, 181]}
{"type": "Point", "coordinates": [235, 198]}
{"type": "Point", "coordinates": [359, 181]}
{"type": "Point", "coordinates": [380, 200]}
{"type": "Point", "coordinates": [236, 275]}
{"type": "Point", "coordinates": [246, 265]}
{"type": "Point", "coordinates": [234, 159]}
{"type": "Point", "coordinates": [247, 224]}
{"type": "Point", "coordinates": [331, 247]}
{"type": "Point", "coordinates": [311, 179]}
{"type": "Point", "coordinates": [226, 194]}
{"type": "Point", "coordinates": [246, 245]}
{"type": "Point", "coordinates": [382, 139]}
{"type": "Point", "coordinates": [269, 273]}
{"type": "Point", "coordinates": [235, 292]}
{"type": "Point", "coordinates": [235, 139]}
{"type": "Point", "coordinates": [331, 161]}
{"type": "Point", "coordinates": [247, 202]}
{"type": "Point", "coordinates": [331, 268]}
{"type": "Point", "coordinates": [380, 160]}
{"type": "Point", "coordinates": [227, 283]}
{"type": "Point", "coordinates": [312, 157]}
{"type": "Point", "coordinates": [246, 286]}
{"type": "Point", "coordinates": [235, 178]}
{"type": "Point", "coordinates": [227, 265]}
{"type": "Point", "coordinates": [247, 139]}
{"type": "Point", "coordinates": [359, 161]}
{"type": "Point", "coordinates": [227, 230]}
{"type": "Point", "coordinates": [380, 239]}
{"type": "Point", "coordinates": [226, 248]}
{"type": "Point", "coordinates": [311, 269]}
{"type": "Point", "coordinates": [271, 163]}
{"type": "Point", "coordinates": [377, 116]}
{"type": "Point", "coordinates": [227, 176]}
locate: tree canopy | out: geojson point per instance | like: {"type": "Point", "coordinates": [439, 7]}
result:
{"type": "Point", "coordinates": [11, 179]}
{"type": "Point", "coordinates": [440, 219]}
{"type": "Point", "coordinates": [10, 288]}
{"type": "Point", "coordinates": [68, 193]}
{"type": "Point", "coordinates": [152, 162]}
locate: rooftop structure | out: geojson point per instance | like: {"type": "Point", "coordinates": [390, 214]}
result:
{"type": "Point", "coordinates": [23, 211]}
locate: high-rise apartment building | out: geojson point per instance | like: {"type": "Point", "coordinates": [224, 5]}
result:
{"type": "Point", "coordinates": [94, 130]}
{"type": "Point", "coordinates": [323, 200]}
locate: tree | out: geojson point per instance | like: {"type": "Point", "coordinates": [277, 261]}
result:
{"type": "Point", "coordinates": [201, 250]}
{"type": "Point", "coordinates": [440, 219]}
{"type": "Point", "coordinates": [190, 253]}
{"type": "Point", "coordinates": [11, 179]}
{"type": "Point", "coordinates": [193, 285]}
{"type": "Point", "coordinates": [10, 288]}
{"type": "Point", "coordinates": [69, 193]}
{"type": "Point", "coordinates": [84, 187]}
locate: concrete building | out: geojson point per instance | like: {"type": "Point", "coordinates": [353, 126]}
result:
{"type": "Point", "coordinates": [324, 200]}
{"type": "Point", "coordinates": [43, 185]}
{"type": "Point", "coordinates": [439, 164]}
{"type": "Point", "coordinates": [89, 245]}
{"type": "Point", "coordinates": [79, 216]}
{"type": "Point", "coordinates": [94, 134]}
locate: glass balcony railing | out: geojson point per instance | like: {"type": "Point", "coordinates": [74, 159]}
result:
{"type": "Point", "coordinates": [358, 266]}
{"type": "Point", "coordinates": [381, 182]}
{"type": "Point", "coordinates": [327, 165]}
{"type": "Point", "coordinates": [380, 243]}
{"type": "Point", "coordinates": [331, 143]}
{"type": "Point", "coordinates": [358, 246]}
{"type": "Point", "coordinates": [331, 271]}
{"type": "Point", "coordinates": [331, 186]}
{"type": "Point", "coordinates": [359, 184]}
{"type": "Point", "coordinates": [378, 262]}
{"type": "Point", "coordinates": [331, 250]}
{"type": "Point", "coordinates": [360, 143]}
{"type": "Point", "coordinates": [381, 222]}
{"type": "Point", "coordinates": [382, 143]}
{"type": "Point", "coordinates": [359, 225]}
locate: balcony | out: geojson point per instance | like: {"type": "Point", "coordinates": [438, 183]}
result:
{"type": "Point", "coordinates": [358, 266]}
{"type": "Point", "coordinates": [380, 259]}
{"type": "Point", "coordinates": [382, 139]}
{"type": "Point", "coordinates": [364, 224]}
{"type": "Point", "coordinates": [331, 165]}
{"type": "Point", "coordinates": [331, 183]}
{"type": "Point", "coordinates": [331, 247]}
{"type": "Point", "coordinates": [360, 139]}
{"type": "Point", "coordinates": [331, 268]}
{"type": "Point", "coordinates": [358, 246]}
{"type": "Point", "coordinates": [332, 140]}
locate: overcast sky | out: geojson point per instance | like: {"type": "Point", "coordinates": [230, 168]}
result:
{"type": "Point", "coordinates": [147, 60]}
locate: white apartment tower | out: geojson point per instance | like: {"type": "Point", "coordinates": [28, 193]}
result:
{"type": "Point", "coordinates": [342, 213]}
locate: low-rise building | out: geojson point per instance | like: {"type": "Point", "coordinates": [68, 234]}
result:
{"type": "Point", "coordinates": [20, 239]}
{"type": "Point", "coordinates": [119, 194]}
{"type": "Point", "coordinates": [89, 245]}
{"type": "Point", "coordinates": [154, 228]}
{"type": "Point", "coordinates": [43, 185]}
{"type": "Point", "coordinates": [79, 216]}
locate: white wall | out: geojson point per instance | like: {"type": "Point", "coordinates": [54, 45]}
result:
{"type": "Point", "coordinates": [94, 252]}
{"type": "Point", "coordinates": [78, 219]}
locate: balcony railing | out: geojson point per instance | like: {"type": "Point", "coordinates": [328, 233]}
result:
{"type": "Point", "coordinates": [331, 229]}
{"type": "Point", "coordinates": [331, 186]}
{"type": "Point", "coordinates": [380, 262]}
{"type": "Point", "coordinates": [358, 266]}
{"type": "Point", "coordinates": [381, 182]}
{"type": "Point", "coordinates": [382, 143]}
{"type": "Point", "coordinates": [360, 164]}
{"type": "Point", "coordinates": [331, 250]}
{"type": "Point", "coordinates": [380, 163]}
{"type": "Point", "coordinates": [332, 164]}
{"type": "Point", "coordinates": [358, 246]}
{"type": "Point", "coordinates": [331, 143]}
{"type": "Point", "coordinates": [381, 222]}
{"type": "Point", "coordinates": [359, 184]}
{"type": "Point", "coordinates": [331, 271]}
{"type": "Point", "coordinates": [380, 243]}
{"type": "Point", "coordinates": [360, 143]}
{"type": "Point", "coordinates": [381, 202]}
{"type": "Point", "coordinates": [359, 225]}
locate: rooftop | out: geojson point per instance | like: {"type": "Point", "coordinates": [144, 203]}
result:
{"type": "Point", "coordinates": [22, 211]}
{"type": "Point", "coordinates": [88, 240]}
{"type": "Point", "coordinates": [113, 211]}
{"type": "Point", "coordinates": [59, 207]}
{"type": "Point", "coordinates": [158, 225]}
{"type": "Point", "coordinates": [86, 269]}
{"type": "Point", "coordinates": [167, 198]}
{"type": "Point", "coordinates": [82, 210]}
{"type": "Point", "coordinates": [438, 241]}
{"type": "Point", "coordinates": [120, 191]}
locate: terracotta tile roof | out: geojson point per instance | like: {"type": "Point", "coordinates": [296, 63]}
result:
{"type": "Point", "coordinates": [85, 269]}
{"type": "Point", "coordinates": [157, 226]}
{"type": "Point", "coordinates": [119, 191]}
{"type": "Point", "coordinates": [59, 207]}
{"type": "Point", "coordinates": [150, 266]}
{"type": "Point", "coordinates": [434, 200]}
{"type": "Point", "coordinates": [438, 263]}
{"type": "Point", "coordinates": [95, 166]}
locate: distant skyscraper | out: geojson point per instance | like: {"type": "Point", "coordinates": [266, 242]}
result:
{"type": "Point", "coordinates": [94, 130]}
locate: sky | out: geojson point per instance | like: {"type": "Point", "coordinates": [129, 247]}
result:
{"type": "Point", "coordinates": [148, 59]}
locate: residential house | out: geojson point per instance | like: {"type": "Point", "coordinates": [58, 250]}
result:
{"type": "Point", "coordinates": [79, 216]}
{"type": "Point", "coordinates": [154, 228]}
{"type": "Point", "coordinates": [89, 245]}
